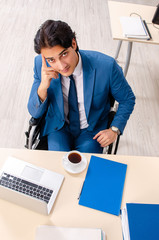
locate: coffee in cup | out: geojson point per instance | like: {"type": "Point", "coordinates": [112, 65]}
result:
{"type": "Point", "coordinates": [74, 157]}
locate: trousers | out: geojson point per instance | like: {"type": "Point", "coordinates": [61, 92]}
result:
{"type": "Point", "coordinates": [62, 140]}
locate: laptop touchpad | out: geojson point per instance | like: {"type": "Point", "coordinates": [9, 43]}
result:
{"type": "Point", "coordinates": [32, 173]}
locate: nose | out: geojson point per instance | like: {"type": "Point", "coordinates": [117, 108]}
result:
{"type": "Point", "coordinates": [61, 65]}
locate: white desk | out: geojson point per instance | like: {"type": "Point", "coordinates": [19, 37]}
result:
{"type": "Point", "coordinates": [17, 223]}
{"type": "Point", "coordinates": [118, 9]}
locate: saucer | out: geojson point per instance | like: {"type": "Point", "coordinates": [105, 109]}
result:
{"type": "Point", "coordinates": [74, 169]}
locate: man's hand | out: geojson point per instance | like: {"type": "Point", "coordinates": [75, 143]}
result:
{"type": "Point", "coordinates": [47, 73]}
{"type": "Point", "coordinates": [106, 137]}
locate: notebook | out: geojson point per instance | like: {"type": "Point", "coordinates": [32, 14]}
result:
{"type": "Point", "coordinates": [140, 221]}
{"type": "Point", "coordinates": [103, 186]}
{"type": "Point", "coordinates": [135, 27]}
{"type": "Point", "coordinates": [29, 186]}
{"type": "Point", "coordinates": [45, 232]}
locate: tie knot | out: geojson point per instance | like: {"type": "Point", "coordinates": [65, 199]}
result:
{"type": "Point", "coordinates": [71, 77]}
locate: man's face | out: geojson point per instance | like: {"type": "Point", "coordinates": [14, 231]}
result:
{"type": "Point", "coordinates": [62, 60]}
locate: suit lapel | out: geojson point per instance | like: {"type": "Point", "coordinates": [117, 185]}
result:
{"type": "Point", "coordinates": [88, 82]}
{"type": "Point", "coordinates": [57, 89]}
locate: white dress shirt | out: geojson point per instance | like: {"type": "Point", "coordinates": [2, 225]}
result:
{"type": "Point", "coordinates": [65, 81]}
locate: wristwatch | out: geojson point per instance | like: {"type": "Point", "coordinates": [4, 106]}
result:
{"type": "Point", "coordinates": [115, 129]}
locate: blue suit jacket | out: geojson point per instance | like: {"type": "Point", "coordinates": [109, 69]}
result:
{"type": "Point", "coordinates": [101, 76]}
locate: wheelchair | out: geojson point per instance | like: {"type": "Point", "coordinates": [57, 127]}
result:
{"type": "Point", "coordinates": [33, 140]}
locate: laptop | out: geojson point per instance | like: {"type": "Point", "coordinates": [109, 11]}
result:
{"type": "Point", "coordinates": [29, 186]}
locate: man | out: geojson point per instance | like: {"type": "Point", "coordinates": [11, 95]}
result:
{"type": "Point", "coordinates": [74, 87]}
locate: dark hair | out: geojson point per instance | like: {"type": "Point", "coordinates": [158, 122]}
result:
{"type": "Point", "coordinates": [52, 33]}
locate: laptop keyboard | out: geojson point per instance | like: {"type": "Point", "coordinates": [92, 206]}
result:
{"type": "Point", "coordinates": [25, 187]}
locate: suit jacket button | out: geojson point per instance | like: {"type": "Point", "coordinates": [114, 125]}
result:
{"type": "Point", "coordinates": [55, 128]}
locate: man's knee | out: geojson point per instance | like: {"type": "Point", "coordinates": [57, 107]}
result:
{"type": "Point", "coordinates": [87, 144]}
{"type": "Point", "coordinates": [59, 141]}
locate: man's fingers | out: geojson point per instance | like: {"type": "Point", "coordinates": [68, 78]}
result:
{"type": "Point", "coordinates": [44, 65]}
{"type": "Point", "coordinates": [48, 69]}
{"type": "Point", "coordinates": [97, 135]}
{"type": "Point", "coordinates": [43, 61]}
{"type": "Point", "coordinates": [105, 137]}
{"type": "Point", "coordinates": [105, 144]}
{"type": "Point", "coordinates": [100, 139]}
{"type": "Point", "coordinates": [49, 72]}
{"type": "Point", "coordinates": [51, 75]}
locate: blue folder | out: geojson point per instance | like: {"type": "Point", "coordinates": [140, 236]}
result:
{"type": "Point", "coordinates": [143, 221]}
{"type": "Point", "coordinates": [103, 186]}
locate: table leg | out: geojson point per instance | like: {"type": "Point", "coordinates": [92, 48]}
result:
{"type": "Point", "coordinates": [118, 49]}
{"type": "Point", "coordinates": [128, 56]}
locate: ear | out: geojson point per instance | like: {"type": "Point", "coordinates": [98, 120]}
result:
{"type": "Point", "coordinates": [74, 44]}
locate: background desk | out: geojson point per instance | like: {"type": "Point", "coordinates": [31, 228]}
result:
{"type": "Point", "coordinates": [118, 9]}
{"type": "Point", "coordinates": [17, 223]}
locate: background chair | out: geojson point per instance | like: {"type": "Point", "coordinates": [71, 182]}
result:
{"type": "Point", "coordinates": [33, 140]}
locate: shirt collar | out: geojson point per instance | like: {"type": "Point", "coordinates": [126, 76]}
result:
{"type": "Point", "coordinates": [78, 68]}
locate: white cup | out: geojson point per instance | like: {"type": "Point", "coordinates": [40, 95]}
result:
{"type": "Point", "coordinates": [74, 158]}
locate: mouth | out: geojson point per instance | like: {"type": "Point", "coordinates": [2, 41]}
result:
{"type": "Point", "coordinates": [65, 70]}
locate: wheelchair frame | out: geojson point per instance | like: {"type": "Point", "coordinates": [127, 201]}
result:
{"type": "Point", "coordinates": [33, 140]}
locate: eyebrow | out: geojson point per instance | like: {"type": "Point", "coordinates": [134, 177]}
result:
{"type": "Point", "coordinates": [59, 54]}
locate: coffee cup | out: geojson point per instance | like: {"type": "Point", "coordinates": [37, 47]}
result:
{"type": "Point", "coordinates": [74, 162]}
{"type": "Point", "coordinates": [74, 158]}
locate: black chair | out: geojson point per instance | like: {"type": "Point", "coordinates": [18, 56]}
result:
{"type": "Point", "coordinates": [33, 140]}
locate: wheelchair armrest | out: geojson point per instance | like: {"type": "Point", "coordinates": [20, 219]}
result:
{"type": "Point", "coordinates": [34, 121]}
{"type": "Point", "coordinates": [33, 132]}
{"type": "Point", "coordinates": [110, 118]}
{"type": "Point", "coordinates": [113, 147]}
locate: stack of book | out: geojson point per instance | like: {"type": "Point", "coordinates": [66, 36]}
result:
{"type": "Point", "coordinates": [45, 232]}
{"type": "Point", "coordinates": [135, 27]}
{"type": "Point", "coordinates": [140, 221]}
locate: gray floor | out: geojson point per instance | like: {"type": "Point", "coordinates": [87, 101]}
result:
{"type": "Point", "coordinates": [19, 21]}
